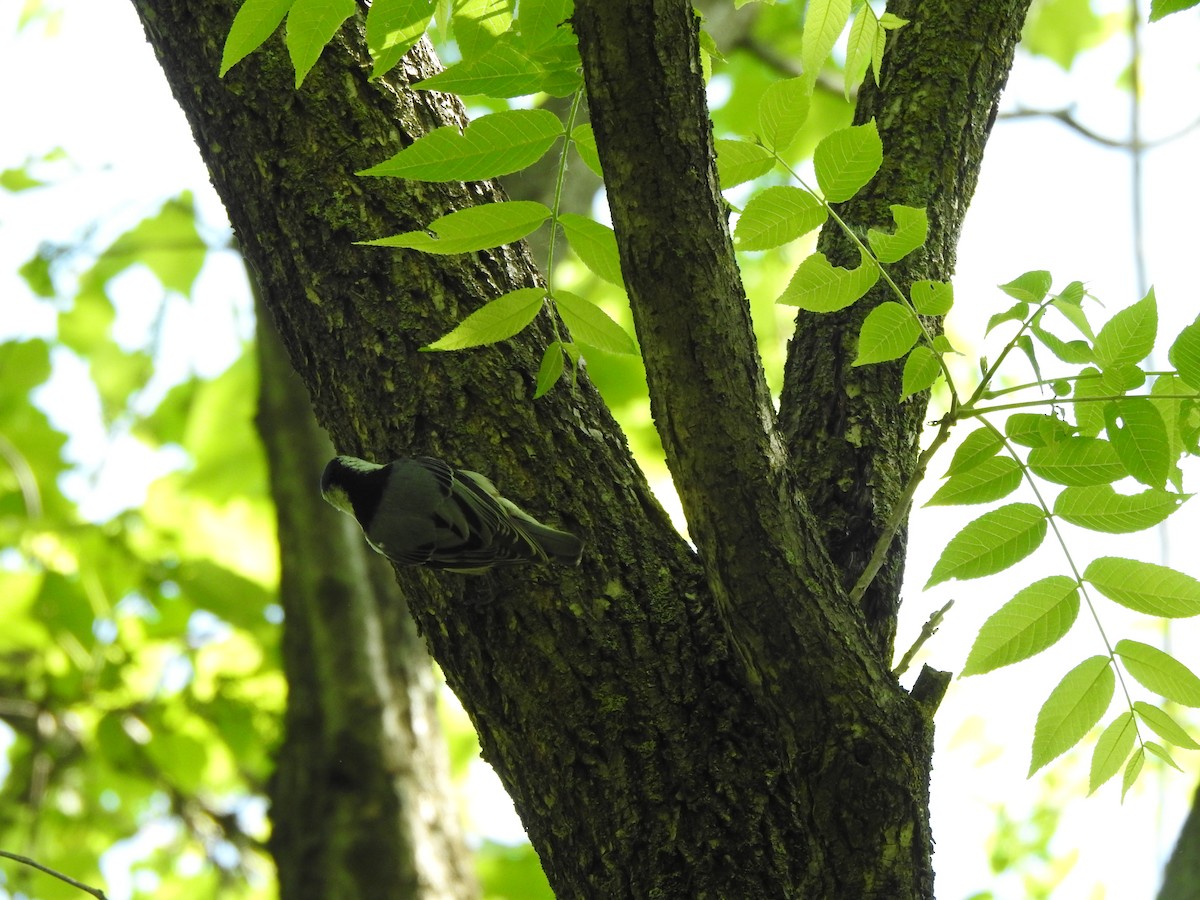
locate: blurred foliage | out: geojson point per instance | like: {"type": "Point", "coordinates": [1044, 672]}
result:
{"type": "Point", "coordinates": [140, 689]}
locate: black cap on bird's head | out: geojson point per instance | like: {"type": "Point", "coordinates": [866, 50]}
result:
{"type": "Point", "coordinates": [420, 511]}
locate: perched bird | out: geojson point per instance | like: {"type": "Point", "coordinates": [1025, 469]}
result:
{"type": "Point", "coordinates": [421, 512]}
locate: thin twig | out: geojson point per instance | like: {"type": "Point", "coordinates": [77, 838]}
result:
{"type": "Point", "coordinates": [929, 630]}
{"type": "Point", "coordinates": [25, 860]}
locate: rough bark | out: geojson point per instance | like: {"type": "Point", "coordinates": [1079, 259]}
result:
{"type": "Point", "coordinates": [1181, 877]}
{"type": "Point", "coordinates": [853, 447]}
{"type": "Point", "coordinates": [668, 725]}
{"type": "Point", "coordinates": [361, 798]}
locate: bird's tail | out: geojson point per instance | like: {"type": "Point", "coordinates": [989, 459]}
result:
{"type": "Point", "coordinates": [559, 546]}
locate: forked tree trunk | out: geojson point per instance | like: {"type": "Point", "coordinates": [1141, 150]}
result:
{"type": "Point", "coordinates": [672, 724]}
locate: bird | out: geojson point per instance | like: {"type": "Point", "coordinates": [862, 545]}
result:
{"type": "Point", "coordinates": [420, 511]}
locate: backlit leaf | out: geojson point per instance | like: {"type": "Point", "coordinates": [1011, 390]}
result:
{"type": "Point", "coordinates": [1072, 709]}
{"type": "Point", "coordinates": [777, 216]}
{"type": "Point", "coordinates": [981, 444]}
{"type": "Point", "coordinates": [921, 370]}
{"type": "Point", "coordinates": [492, 145]}
{"type": "Point", "coordinates": [1077, 461]}
{"type": "Point", "coordinates": [1139, 436]}
{"type": "Point", "coordinates": [1100, 508]}
{"type": "Point", "coordinates": [1112, 749]}
{"type": "Point", "coordinates": [1128, 337]}
{"type": "Point", "coordinates": [311, 24]}
{"type": "Point", "coordinates": [819, 287]}
{"type": "Point", "coordinates": [474, 228]}
{"type": "Point", "coordinates": [912, 227]}
{"type": "Point", "coordinates": [846, 160]}
{"type": "Point", "coordinates": [739, 161]}
{"type": "Point", "coordinates": [991, 543]}
{"type": "Point", "coordinates": [888, 332]}
{"type": "Point", "coordinates": [1031, 287]}
{"type": "Point", "coordinates": [595, 244]}
{"type": "Point", "coordinates": [990, 480]}
{"type": "Point", "coordinates": [495, 321]}
{"type": "Point", "coordinates": [1161, 723]}
{"type": "Point", "coordinates": [1145, 587]}
{"type": "Point", "coordinates": [591, 325]}
{"type": "Point", "coordinates": [782, 110]}
{"type": "Point", "coordinates": [1026, 625]}
{"type": "Point", "coordinates": [932, 298]}
{"type": "Point", "coordinates": [1159, 672]}
{"type": "Point", "coordinates": [1185, 354]}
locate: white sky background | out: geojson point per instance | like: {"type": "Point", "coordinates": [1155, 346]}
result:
{"type": "Point", "coordinates": [1047, 198]}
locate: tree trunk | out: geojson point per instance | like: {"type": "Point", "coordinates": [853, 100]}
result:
{"type": "Point", "coordinates": [361, 797]}
{"type": "Point", "coordinates": [674, 724]}
{"type": "Point", "coordinates": [1181, 878]}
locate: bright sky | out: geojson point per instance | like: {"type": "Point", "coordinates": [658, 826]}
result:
{"type": "Point", "coordinates": [1047, 199]}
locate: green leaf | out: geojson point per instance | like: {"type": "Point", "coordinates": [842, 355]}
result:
{"type": "Point", "coordinates": [782, 110]}
{"type": "Point", "coordinates": [912, 227]}
{"type": "Point", "coordinates": [823, 24]}
{"type": "Point", "coordinates": [1123, 378]}
{"type": "Point", "coordinates": [1162, 753]}
{"type": "Point", "coordinates": [1090, 390]}
{"type": "Point", "coordinates": [981, 444]}
{"type": "Point", "coordinates": [740, 161]}
{"type": "Point", "coordinates": [1145, 587]}
{"type": "Point", "coordinates": [511, 68]}
{"type": "Point", "coordinates": [1077, 461]}
{"type": "Point", "coordinates": [1161, 8]}
{"type": "Point", "coordinates": [993, 542]}
{"type": "Point", "coordinates": [1159, 672]}
{"type": "Point", "coordinates": [846, 160]}
{"type": "Point", "coordinates": [1036, 429]}
{"type": "Point", "coordinates": [255, 21]}
{"type": "Point", "coordinates": [475, 228]}
{"type": "Point", "coordinates": [585, 145]}
{"type": "Point", "coordinates": [493, 145]}
{"type": "Point", "coordinates": [1035, 619]}
{"type": "Point", "coordinates": [540, 20]}
{"type": "Point", "coordinates": [595, 245]}
{"type": "Point", "coordinates": [1099, 508]}
{"type": "Point", "coordinates": [1132, 770]}
{"type": "Point", "coordinates": [1161, 723]}
{"type": "Point", "coordinates": [550, 370]}
{"type": "Point", "coordinates": [921, 370]}
{"type": "Point", "coordinates": [1185, 354]}
{"type": "Point", "coordinates": [932, 298]}
{"type": "Point", "coordinates": [591, 325]}
{"type": "Point", "coordinates": [991, 480]}
{"type": "Point", "coordinates": [1015, 313]}
{"type": "Point", "coordinates": [1139, 436]}
{"type": "Point", "coordinates": [477, 24]}
{"type": "Point", "coordinates": [1073, 707]}
{"type": "Point", "coordinates": [819, 287]}
{"type": "Point", "coordinates": [1128, 337]}
{"type": "Point", "coordinates": [495, 321]}
{"type": "Point", "coordinates": [393, 27]}
{"type": "Point", "coordinates": [1069, 302]}
{"type": "Point", "coordinates": [1031, 287]}
{"type": "Point", "coordinates": [1074, 352]}
{"type": "Point", "coordinates": [777, 216]}
{"type": "Point", "coordinates": [888, 332]}
{"type": "Point", "coordinates": [860, 47]}
{"type": "Point", "coordinates": [311, 24]}
{"type": "Point", "coordinates": [1112, 749]}
{"type": "Point", "coordinates": [1168, 396]}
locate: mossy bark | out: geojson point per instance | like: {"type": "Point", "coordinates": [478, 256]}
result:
{"type": "Point", "coordinates": [669, 723]}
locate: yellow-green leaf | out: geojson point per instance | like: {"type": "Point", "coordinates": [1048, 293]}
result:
{"type": "Point", "coordinates": [991, 543]}
{"type": "Point", "coordinates": [1026, 625]}
{"type": "Point", "coordinates": [1160, 672]}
